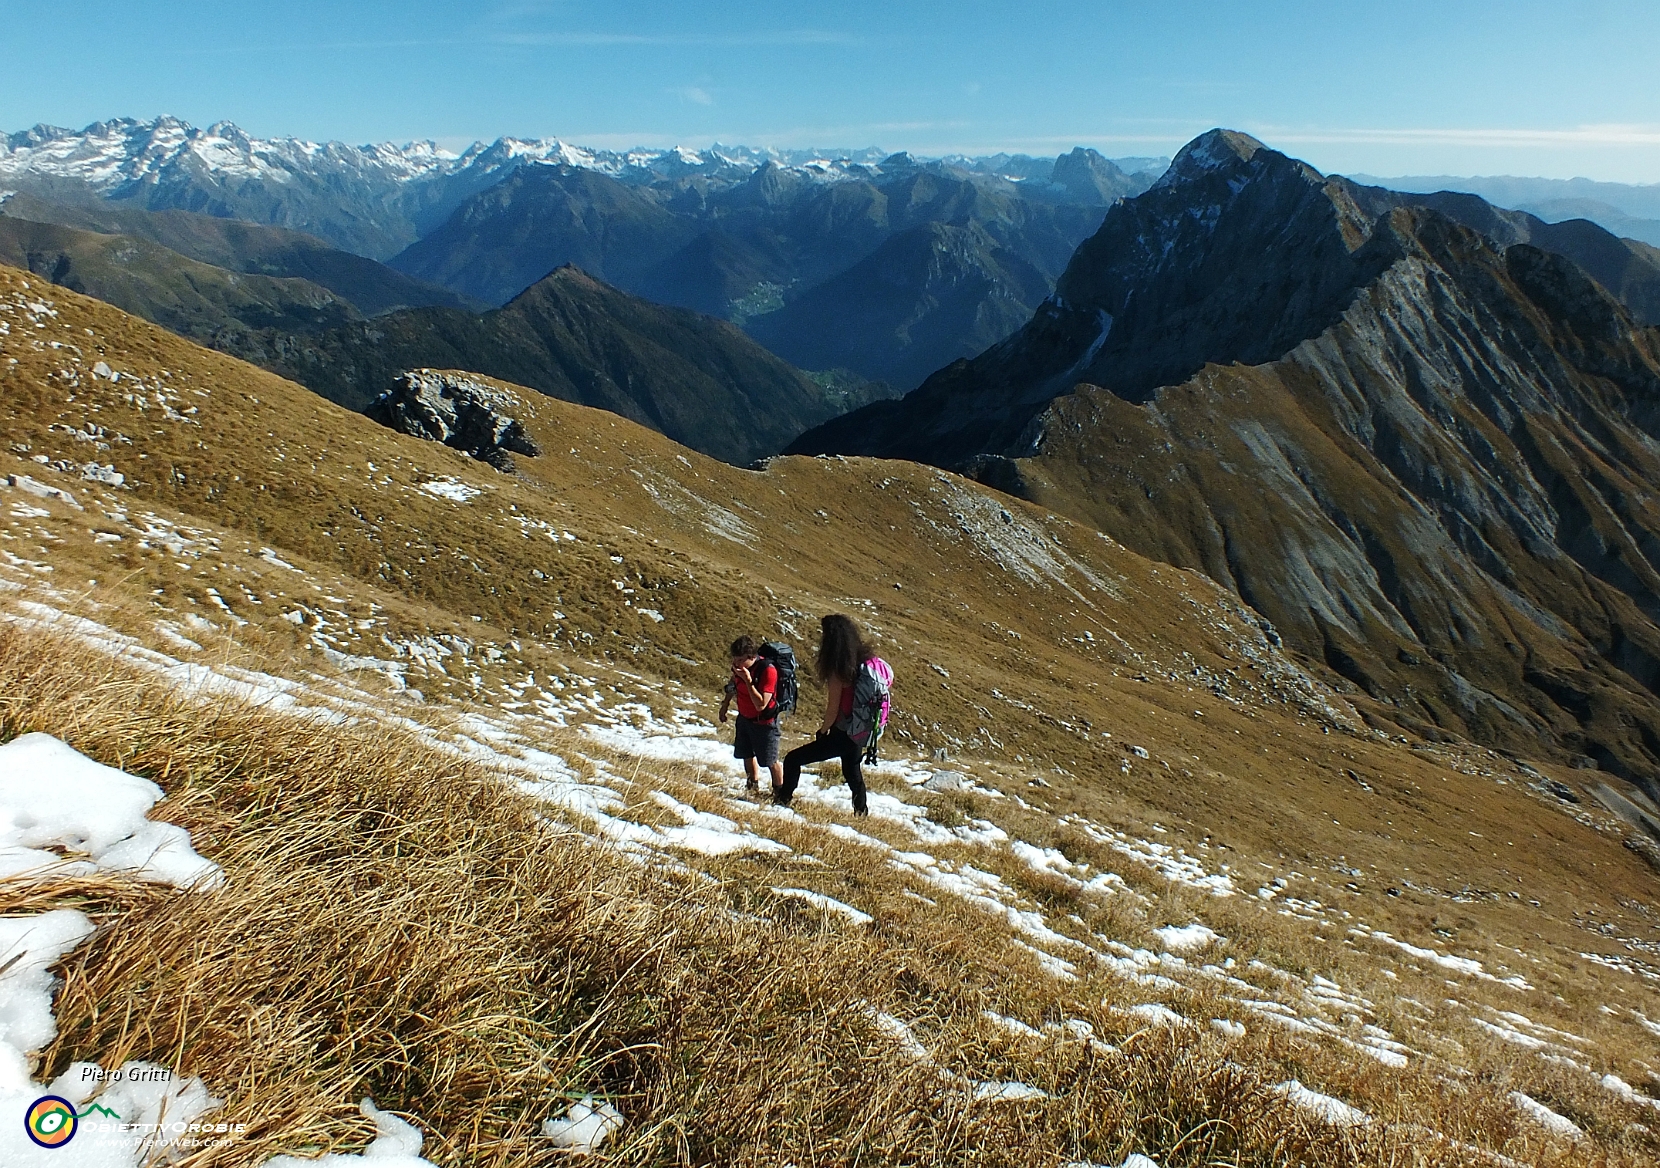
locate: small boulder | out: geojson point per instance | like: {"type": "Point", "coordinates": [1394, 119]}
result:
{"type": "Point", "coordinates": [946, 781]}
{"type": "Point", "coordinates": [463, 413]}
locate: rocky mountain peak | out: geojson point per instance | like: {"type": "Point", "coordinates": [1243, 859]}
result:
{"type": "Point", "coordinates": [1211, 151]}
{"type": "Point", "coordinates": [1088, 177]}
{"type": "Point", "coordinates": [1412, 431]}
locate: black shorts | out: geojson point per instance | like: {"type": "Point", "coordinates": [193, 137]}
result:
{"type": "Point", "coordinates": [756, 740]}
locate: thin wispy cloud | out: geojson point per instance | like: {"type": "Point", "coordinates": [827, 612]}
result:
{"type": "Point", "coordinates": [695, 94]}
{"type": "Point", "coordinates": [1600, 135]}
{"type": "Point", "coordinates": [799, 36]}
{"type": "Point", "coordinates": [532, 40]}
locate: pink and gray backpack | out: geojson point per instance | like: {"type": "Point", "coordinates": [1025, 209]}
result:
{"type": "Point", "coordinates": [872, 699]}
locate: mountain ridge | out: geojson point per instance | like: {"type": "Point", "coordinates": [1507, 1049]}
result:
{"type": "Point", "coordinates": [1457, 432]}
{"type": "Point", "coordinates": [236, 245]}
{"type": "Point", "coordinates": [697, 379]}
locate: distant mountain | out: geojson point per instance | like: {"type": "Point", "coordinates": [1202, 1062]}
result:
{"type": "Point", "coordinates": [698, 380]}
{"type": "Point", "coordinates": [794, 228]}
{"type": "Point", "coordinates": [1425, 453]}
{"type": "Point", "coordinates": [742, 246]}
{"type": "Point", "coordinates": [1083, 176]}
{"type": "Point", "coordinates": [1627, 268]}
{"type": "Point", "coordinates": [372, 200]}
{"type": "Point", "coordinates": [1627, 209]}
{"type": "Point", "coordinates": [733, 231]}
{"type": "Point", "coordinates": [1602, 214]}
{"type": "Point", "coordinates": [502, 240]}
{"type": "Point", "coordinates": [193, 299]}
{"type": "Point", "coordinates": [249, 248]}
{"type": "Point", "coordinates": [927, 296]}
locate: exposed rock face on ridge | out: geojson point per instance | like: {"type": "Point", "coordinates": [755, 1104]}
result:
{"type": "Point", "coordinates": [1428, 458]}
{"type": "Point", "coordinates": [1236, 254]}
{"type": "Point", "coordinates": [460, 411]}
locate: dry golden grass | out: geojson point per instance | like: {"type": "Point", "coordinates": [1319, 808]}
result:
{"type": "Point", "coordinates": [400, 925]}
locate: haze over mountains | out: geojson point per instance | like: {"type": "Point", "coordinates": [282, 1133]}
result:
{"type": "Point", "coordinates": [735, 232]}
{"type": "Point", "coordinates": [1627, 209]}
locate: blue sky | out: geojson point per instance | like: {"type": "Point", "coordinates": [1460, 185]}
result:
{"type": "Point", "coordinates": [1452, 87]}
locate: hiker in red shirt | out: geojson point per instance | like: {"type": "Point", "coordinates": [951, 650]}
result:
{"type": "Point", "coordinates": [754, 685]}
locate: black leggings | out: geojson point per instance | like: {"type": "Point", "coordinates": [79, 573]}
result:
{"type": "Point", "coordinates": [834, 744]}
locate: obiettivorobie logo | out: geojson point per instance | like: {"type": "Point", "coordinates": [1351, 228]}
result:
{"type": "Point", "coordinates": [52, 1121]}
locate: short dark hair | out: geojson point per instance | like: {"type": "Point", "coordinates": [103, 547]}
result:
{"type": "Point", "coordinates": [744, 646]}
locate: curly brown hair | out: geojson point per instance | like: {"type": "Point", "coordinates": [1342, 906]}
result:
{"type": "Point", "coordinates": [841, 649]}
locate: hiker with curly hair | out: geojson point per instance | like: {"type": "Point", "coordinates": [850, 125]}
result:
{"type": "Point", "coordinates": [845, 731]}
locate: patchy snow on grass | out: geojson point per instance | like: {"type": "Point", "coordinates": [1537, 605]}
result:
{"type": "Point", "coordinates": [1004, 1092]}
{"type": "Point", "coordinates": [1623, 1090]}
{"type": "Point", "coordinates": [397, 1144]}
{"type": "Point", "coordinates": [1559, 1125]}
{"type": "Point", "coordinates": [451, 488]}
{"type": "Point", "coordinates": [55, 804]}
{"type": "Point", "coordinates": [1328, 1108]}
{"type": "Point", "coordinates": [62, 813]}
{"type": "Point", "coordinates": [1013, 1026]}
{"type": "Point", "coordinates": [583, 1128]}
{"type": "Point", "coordinates": [902, 1037]}
{"type": "Point", "coordinates": [1155, 1014]}
{"type": "Point", "coordinates": [1055, 967]}
{"type": "Point", "coordinates": [200, 681]}
{"type": "Point", "coordinates": [1186, 938]}
{"type": "Point", "coordinates": [1174, 864]}
{"type": "Point", "coordinates": [703, 832]}
{"type": "Point", "coordinates": [828, 904]}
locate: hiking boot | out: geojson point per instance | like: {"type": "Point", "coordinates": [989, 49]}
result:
{"type": "Point", "coordinates": [752, 786]}
{"type": "Point", "coordinates": [862, 812]}
{"type": "Point", "coordinates": [779, 800]}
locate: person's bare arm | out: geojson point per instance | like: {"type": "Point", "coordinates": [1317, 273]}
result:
{"type": "Point", "coordinates": [725, 706]}
{"type": "Point", "coordinates": [746, 678]}
{"type": "Point", "coordinates": [832, 705]}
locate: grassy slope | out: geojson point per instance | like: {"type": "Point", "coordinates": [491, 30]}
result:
{"type": "Point", "coordinates": [249, 248]}
{"type": "Point", "coordinates": [193, 299]}
{"type": "Point", "coordinates": [1266, 779]}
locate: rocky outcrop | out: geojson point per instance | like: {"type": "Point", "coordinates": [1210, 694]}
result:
{"type": "Point", "coordinates": [1425, 453]}
{"type": "Point", "coordinates": [700, 381]}
{"type": "Point", "coordinates": [461, 412]}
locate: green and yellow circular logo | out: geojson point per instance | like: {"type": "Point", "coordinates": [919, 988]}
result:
{"type": "Point", "coordinates": [51, 1121]}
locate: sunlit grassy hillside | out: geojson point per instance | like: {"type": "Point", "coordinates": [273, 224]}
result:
{"type": "Point", "coordinates": [447, 730]}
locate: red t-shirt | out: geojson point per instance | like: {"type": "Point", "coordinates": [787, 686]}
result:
{"type": "Point", "coordinates": [766, 680]}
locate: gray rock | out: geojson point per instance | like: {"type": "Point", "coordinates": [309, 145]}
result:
{"type": "Point", "coordinates": [946, 781]}
{"type": "Point", "coordinates": [459, 411]}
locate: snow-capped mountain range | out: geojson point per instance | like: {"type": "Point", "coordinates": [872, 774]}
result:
{"type": "Point", "coordinates": [113, 154]}
{"type": "Point", "coordinates": [376, 199]}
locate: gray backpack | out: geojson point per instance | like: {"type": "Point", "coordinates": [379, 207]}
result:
{"type": "Point", "coordinates": [872, 700]}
